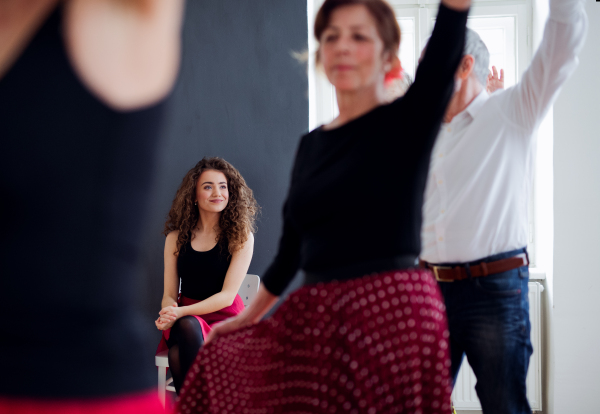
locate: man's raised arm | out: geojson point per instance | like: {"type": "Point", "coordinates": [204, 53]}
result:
{"type": "Point", "coordinates": [553, 63]}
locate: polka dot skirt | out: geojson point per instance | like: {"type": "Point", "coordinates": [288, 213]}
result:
{"type": "Point", "coordinates": [378, 344]}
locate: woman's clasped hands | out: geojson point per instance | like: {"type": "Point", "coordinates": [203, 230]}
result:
{"type": "Point", "coordinates": [167, 317]}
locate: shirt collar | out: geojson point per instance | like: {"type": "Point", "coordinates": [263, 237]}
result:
{"type": "Point", "coordinates": [472, 109]}
{"type": "Point", "coordinates": [477, 103]}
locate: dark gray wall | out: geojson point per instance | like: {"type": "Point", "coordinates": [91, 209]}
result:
{"type": "Point", "coordinates": [242, 97]}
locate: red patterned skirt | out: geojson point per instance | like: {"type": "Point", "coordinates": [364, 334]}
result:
{"type": "Point", "coordinates": [378, 344]}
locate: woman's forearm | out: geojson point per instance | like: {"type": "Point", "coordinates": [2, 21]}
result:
{"type": "Point", "coordinates": [459, 5]}
{"type": "Point", "coordinates": [167, 300]}
{"type": "Point", "coordinates": [261, 304]}
{"type": "Point", "coordinates": [258, 308]}
{"type": "Point", "coordinates": [214, 303]}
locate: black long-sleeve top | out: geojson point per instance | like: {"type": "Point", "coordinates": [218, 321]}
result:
{"type": "Point", "coordinates": [355, 199]}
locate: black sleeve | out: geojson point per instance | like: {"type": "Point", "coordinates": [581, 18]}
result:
{"type": "Point", "coordinates": [430, 93]}
{"type": "Point", "coordinates": [283, 269]}
{"type": "Point", "coordinates": [286, 263]}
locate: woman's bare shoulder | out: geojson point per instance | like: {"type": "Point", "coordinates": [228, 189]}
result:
{"type": "Point", "coordinates": [171, 239]}
{"type": "Point", "coordinates": [125, 52]}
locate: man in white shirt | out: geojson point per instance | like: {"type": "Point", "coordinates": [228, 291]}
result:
{"type": "Point", "coordinates": [475, 211]}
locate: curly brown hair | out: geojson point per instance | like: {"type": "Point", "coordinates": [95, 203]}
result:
{"type": "Point", "coordinates": [238, 218]}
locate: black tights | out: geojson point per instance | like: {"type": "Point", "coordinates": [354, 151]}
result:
{"type": "Point", "coordinates": [184, 343]}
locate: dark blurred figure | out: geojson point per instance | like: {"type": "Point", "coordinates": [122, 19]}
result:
{"type": "Point", "coordinates": [82, 89]}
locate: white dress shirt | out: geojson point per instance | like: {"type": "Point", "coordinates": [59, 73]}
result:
{"type": "Point", "coordinates": [481, 173]}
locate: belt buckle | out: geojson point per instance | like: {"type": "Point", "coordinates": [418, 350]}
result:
{"type": "Point", "coordinates": [437, 276]}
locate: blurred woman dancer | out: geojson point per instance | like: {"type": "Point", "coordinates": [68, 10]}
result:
{"type": "Point", "coordinates": [367, 332]}
{"type": "Point", "coordinates": [82, 85]}
{"type": "Point", "coordinates": [208, 248]}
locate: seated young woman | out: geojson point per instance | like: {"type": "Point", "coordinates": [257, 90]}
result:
{"type": "Point", "coordinates": [208, 249]}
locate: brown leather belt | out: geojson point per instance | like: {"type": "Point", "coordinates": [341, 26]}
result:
{"type": "Point", "coordinates": [459, 272]}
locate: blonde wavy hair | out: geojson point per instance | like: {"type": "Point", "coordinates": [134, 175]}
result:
{"type": "Point", "coordinates": [237, 220]}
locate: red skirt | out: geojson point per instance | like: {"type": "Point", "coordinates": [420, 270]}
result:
{"type": "Point", "coordinates": [206, 321]}
{"type": "Point", "coordinates": [378, 344]}
{"type": "Point", "coordinates": [143, 403]}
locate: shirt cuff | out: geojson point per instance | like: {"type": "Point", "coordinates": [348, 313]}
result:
{"type": "Point", "coordinates": [273, 285]}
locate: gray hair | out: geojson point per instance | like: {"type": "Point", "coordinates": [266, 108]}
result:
{"type": "Point", "coordinates": [475, 47]}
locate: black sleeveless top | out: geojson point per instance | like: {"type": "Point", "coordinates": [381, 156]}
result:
{"type": "Point", "coordinates": [75, 176]}
{"type": "Point", "coordinates": [202, 274]}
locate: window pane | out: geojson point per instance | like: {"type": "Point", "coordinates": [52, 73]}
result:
{"type": "Point", "coordinates": [408, 45]}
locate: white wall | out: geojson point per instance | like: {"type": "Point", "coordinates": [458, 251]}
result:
{"type": "Point", "coordinates": [576, 316]}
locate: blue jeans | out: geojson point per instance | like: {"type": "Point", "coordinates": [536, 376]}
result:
{"type": "Point", "coordinates": [488, 319]}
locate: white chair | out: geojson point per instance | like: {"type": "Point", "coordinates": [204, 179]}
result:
{"type": "Point", "coordinates": [247, 292]}
{"type": "Point", "coordinates": [249, 289]}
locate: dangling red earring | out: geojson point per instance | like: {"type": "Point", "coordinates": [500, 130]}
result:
{"type": "Point", "coordinates": [395, 72]}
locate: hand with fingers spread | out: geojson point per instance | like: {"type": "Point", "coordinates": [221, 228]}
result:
{"type": "Point", "coordinates": [495, 81]}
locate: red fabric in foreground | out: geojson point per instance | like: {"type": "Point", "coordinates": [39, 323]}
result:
{"type": "Point", "coordinates": [142, 403]}
{"type": "Point", "coordinates": [206, 321]}
{"type": "Point", "coordinates": [378, 344]}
